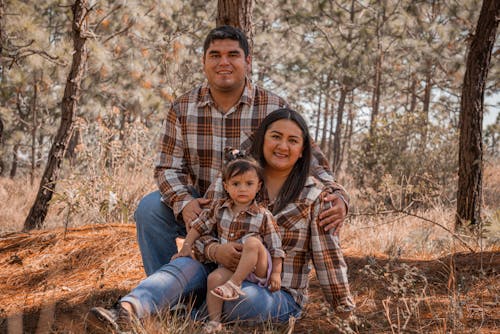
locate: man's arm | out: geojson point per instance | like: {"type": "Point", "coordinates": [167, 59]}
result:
{"type": "Point", "coordinates": [333, 218]}
{"type": "Point", "coordinates": [170, 168]}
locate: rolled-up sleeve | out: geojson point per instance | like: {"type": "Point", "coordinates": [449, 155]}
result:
{"type": "Point", "coordinates": [329, 263]}
{"type": "Point", "coordinates": [270, 235]}
{"type": "Point", "coordinates": [170, 168]}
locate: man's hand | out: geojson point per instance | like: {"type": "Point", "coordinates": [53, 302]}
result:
{"type": "Point", "coordinates": [192, 210]}
{"type": "Point", "coordinates": [228, 255]}
{"type": "Point", "coordinates": [332, 219]}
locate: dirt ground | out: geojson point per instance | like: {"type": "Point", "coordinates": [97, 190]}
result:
{"type": "Point", "coordinates": [49, 280]}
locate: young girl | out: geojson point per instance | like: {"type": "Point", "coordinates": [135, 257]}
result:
{"type": "Point", "coordinates": [239, 218]}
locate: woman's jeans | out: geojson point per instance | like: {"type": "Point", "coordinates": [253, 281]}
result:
{"type": "Point", "coordinates": [185, 279]}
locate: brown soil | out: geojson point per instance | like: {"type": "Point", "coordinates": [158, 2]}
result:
{"type": "Point", "coordinates": [50, 279]}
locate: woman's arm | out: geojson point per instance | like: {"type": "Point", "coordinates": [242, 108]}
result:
{"type": "Point", "coordinates": [329, 263]}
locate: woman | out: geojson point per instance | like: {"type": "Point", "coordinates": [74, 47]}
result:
{"type": "Point", "coordinates": [283, 146]}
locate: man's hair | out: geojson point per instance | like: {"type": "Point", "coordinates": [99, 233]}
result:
{"type": "Point", "coordinates": [226, 32]}
{"type": "Point", "coordinates": [296, 180]}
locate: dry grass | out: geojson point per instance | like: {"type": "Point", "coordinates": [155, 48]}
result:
{"type": "Point", "coordinates": [408, 274]}
{"type": "Point", "coordinates": [58, 276]}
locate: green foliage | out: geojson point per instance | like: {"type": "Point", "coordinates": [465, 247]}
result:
{"type": "Point", "coordinates": [144, 54]}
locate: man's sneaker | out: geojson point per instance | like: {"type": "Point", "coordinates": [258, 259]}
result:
{"type": "Point", "coordinates": [113, 320]}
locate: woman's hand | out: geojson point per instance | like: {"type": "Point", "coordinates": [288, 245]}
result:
{"type": "Point", "coordinates": [228, 255]}
{"type": "Point", "coordinates": [275, 282]}
{"type": "Point", "coordinates": [332, 218]}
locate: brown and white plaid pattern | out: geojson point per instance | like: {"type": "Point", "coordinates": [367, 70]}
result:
{"type": "Point", "coordinates": [195, 133]}
{"type": "Point", "coordinates": [255, 221]}
{"type": "Point", "coordinates": [303, 241]}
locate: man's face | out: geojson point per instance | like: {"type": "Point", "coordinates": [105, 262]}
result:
{"type": "Point", "coordinates": [226, 66]}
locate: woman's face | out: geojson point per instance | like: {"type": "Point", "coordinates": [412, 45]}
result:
{"type": "Point", "coordinates": [283, 145]}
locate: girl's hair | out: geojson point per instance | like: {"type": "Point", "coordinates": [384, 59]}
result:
{"type": "Point", "coordinates": [240, 163]}
{"type": "Point", "coordinates": [296, 180]}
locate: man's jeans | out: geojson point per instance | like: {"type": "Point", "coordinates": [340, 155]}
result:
{"type": "Point", "coordinates": [185, 278]}
{"type": "Point", "coordinates": [157, 230]}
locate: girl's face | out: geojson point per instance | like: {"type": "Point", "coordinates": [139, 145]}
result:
{"type": "Point", "coordinates": [283, 145]}
{"type": "Point", "coordinates": [242, 188]}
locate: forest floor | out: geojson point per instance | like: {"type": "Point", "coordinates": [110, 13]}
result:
{"type": "Point", "coordinates": [49, 280]}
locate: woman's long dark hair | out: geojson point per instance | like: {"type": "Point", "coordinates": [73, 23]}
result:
{"type": "Point", "coordinates": [296, 180]}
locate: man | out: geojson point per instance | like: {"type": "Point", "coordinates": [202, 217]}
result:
{"type": "Point", "coordinates": [223, 112]}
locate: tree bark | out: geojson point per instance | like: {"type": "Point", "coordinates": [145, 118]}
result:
{"type": "Point", "coordinates": [424, 125]}
{"type": "Point", "coordinates": [337, 157]}
{"type": "Point", "coordinates": [34, 129]}
{"type": "Point", "coordinates": [39, 209]}
{"type": "Point", "coordinates": [1, 27]}
{"type": "Point", "coordinates": [13, 166]}
{"type": "Point", "coordinates": [237, 13]}
{"type": "Point", "coordinates": [470, 156]}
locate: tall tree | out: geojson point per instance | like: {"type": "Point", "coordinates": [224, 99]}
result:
{"type": "Point", "coordinates": [236, 13]}
{"type": "Point", "coordinates": [39, 209]}
{"type": "Point", "coordinates": [470, 157]}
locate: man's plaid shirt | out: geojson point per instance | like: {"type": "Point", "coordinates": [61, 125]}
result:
{"type": "Point", "coordinates": [195, 134]}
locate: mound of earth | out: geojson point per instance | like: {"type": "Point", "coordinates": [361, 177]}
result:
{"type": "Point", "coordinates": [49, 280]}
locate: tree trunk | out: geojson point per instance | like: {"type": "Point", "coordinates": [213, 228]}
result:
{"type": "Point", "coordinates": [324, 127]}
{"type": "Point", "coordinates": [13, 166]}
{"type": "Point", "coordinates": [236, 13]}
{"type": "Point", "coordinates": [377, 82]}
{"type": "Point", "coordinates": [34, 128]}
{"type": "Point", "coordinates": [318, 113]}
{"type": "Point", "coordinates": [39, 209]}
{"type": "Point", "coordinates": [337, 158]}
{"type": "Point", "coordinates": [2, 164]}
{"type": "Point", "coordinates": [331, 135]}
{"type": "Point", "coordinates": [470, 156]}
{"type": "Point", "coordinates": [1, 28]}
{"type": "Point", "coordinates": [424, 126]}
{"type": "Point", "coordinates": [349, 132]}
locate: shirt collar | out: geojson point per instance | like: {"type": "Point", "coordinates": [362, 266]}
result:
{"type": "Point", "coordinates": [206, 99]}
{"type": "Point", "coordinates": [253, 208]}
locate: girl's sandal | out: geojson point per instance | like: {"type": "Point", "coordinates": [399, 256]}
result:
{"type": "Point", "coordinates": [212, 327]}
{"type": "Point", "coordinates": [228, 291]}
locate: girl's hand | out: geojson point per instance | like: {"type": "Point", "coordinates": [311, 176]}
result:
{"type": "Point", "coordinates": [275, 282]}
{"type": "Point", "coordinates": [185, 251]}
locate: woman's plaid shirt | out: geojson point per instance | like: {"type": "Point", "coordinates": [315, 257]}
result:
{"type": "Point", "coordinates": [305, 242]}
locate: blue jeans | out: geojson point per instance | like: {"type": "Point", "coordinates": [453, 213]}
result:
{"type": "Point", "coordinates": [157, 230]}
{"type": "Point", "coordinates": [186, 278]}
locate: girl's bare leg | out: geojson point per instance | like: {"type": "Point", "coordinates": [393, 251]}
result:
{"type": "Point", "coordinates": [253, 259]}
{"type": "Point", "coordinates": [214, 304]}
